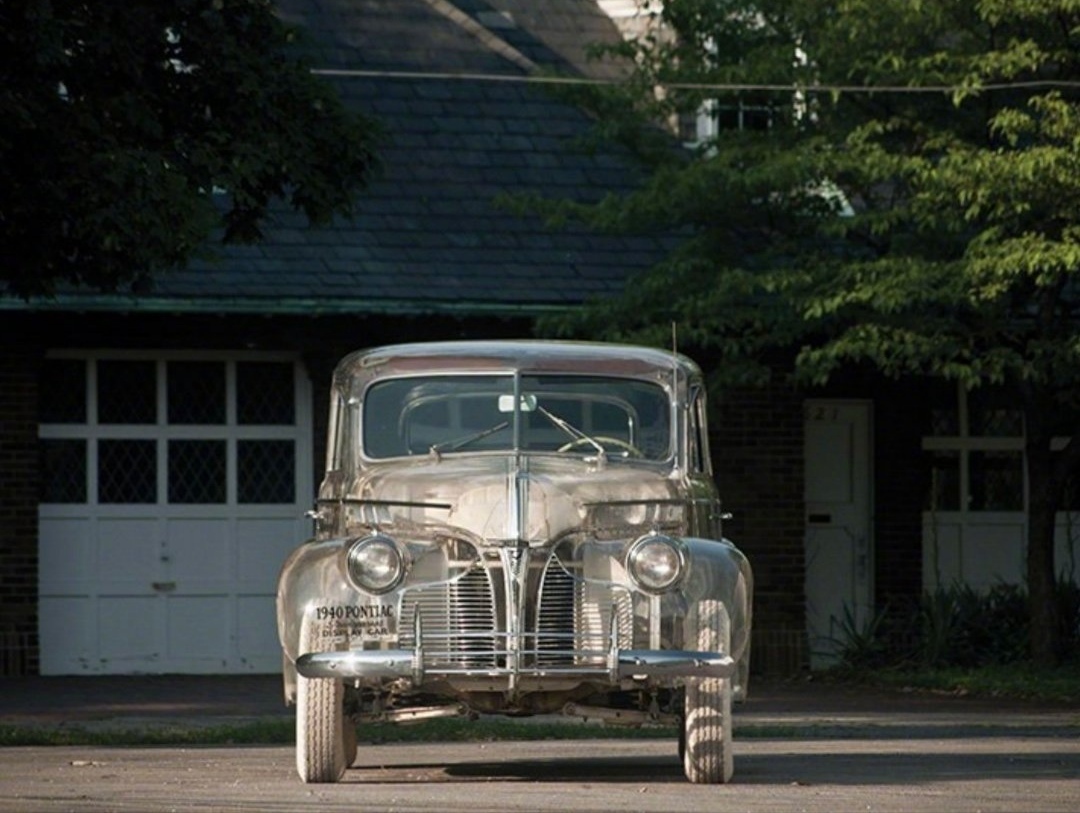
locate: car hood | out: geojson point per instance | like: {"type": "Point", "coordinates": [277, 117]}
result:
{"type": "Point", "coordinates": [535, 500]}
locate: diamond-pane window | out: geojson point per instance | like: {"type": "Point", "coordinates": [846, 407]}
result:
{"type": "Point", "coordinates": [997, 481]}
{"type": "Point", "coordinates": [944, 422]}
{"type": "Point", "coordinates": [266, 471]}
{"type": "Point", "coordinates": [1071, 500]}
{"type": "Point", "coordinates": [63, 391]}
{"type": "Point", "coordinates": [126, 392]}
{"type": "Point", "coordinates": [997, 422]}
{"type": "Point", "coordinates": [63, 470]}
{"type": "Point", "coordinates": [197, 471]}
{"type": "Point", "coordinates": [944, 482]}
{"type": "Point", "coordinates": [992, 413]}
{"type": "Point", "coordinates": [265, 393]}
{"type": "Point", "coordinates": [127, 471]}
{"type": "Point", "coordinates": [196, 392]}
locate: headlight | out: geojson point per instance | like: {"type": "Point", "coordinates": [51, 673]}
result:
{"type": "Point", "coordinates": [656, 563]}
{"type": "Point", "coordinates": [376, 563]}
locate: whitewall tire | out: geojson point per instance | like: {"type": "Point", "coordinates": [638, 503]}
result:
{"type": "Point", "coordinates": [706, 736]}
{"type": "Point", "coordinates": [320, 721]}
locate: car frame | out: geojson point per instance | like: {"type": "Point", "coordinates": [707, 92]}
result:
{"type": "Point", "coordinates": [516, 528]}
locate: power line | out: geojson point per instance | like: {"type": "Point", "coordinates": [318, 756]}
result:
{"type": "Point", "coordinates": [534, 79]}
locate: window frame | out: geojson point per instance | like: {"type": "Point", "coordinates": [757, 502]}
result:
{"type": "Point", "coordinates": [965, 445]}
{"type": "Point", "coordinates": [91, 431]}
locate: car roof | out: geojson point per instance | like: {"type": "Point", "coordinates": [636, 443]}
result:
{"type": "Point", "coordinates": [531, 355]}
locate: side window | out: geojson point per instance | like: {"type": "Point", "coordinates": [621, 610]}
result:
{"type": "Point", "coordinates": [698, 434]}
{"type": "Point", "coordinates": [338, 414]}
{"type": "Point", "coordinates": [348, 437]}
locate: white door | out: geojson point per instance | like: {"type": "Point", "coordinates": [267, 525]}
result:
{"type": "Point", "coordinates": [839, 549]}
{"type": "Point", "coordinates": [174, 488]}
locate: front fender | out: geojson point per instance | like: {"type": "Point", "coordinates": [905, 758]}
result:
{"type": "Point", "coordinates": [719, 570]}
{"type": "Point", "coordinates": [311, 577]}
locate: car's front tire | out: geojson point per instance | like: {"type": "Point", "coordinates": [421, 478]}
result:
{"type": "Point", "coordinates": [705, 742]}
{"type": "Point", "coordinates": [320, 721]}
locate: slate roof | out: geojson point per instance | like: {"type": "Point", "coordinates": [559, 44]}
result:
{"type": "Point", "coordinates": [427, 236]}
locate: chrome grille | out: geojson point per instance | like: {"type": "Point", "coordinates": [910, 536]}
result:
{"type": "Point", "coordinates": [557, 597]}
{"type": "Point", "coordinates": [458, 622]}
{"type": "Point", "coordinates": [573, 618]}
{"type": "Point", "coordinates": [566, 631]}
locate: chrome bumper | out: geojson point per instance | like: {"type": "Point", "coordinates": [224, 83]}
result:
{"type": "Point", "coordinates": [621, 664]}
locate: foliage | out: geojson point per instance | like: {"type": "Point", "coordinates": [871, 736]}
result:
{"type": "Point", "coordinates": [121, 119]}
{"type": "Point", "coordinates": [1021, 681]}
{"type": "Point", "coordinates": [908, 202]}
{"type": "Point", "coordinates": [956, 628]}
{"type": "Point", "coordinates": [862, 646]}
{"type": "Point", "coordinates": [961, 626]}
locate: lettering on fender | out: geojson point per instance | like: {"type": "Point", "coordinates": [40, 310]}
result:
{"type": "Point", "coordinates": [367, 621]}
{"type": "Point", "coordinates": [352, 611]}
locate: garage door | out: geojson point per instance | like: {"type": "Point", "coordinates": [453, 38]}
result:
{"type": "Point", "coordinates": [173, 487]}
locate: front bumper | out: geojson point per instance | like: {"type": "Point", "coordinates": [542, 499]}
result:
{"type": "Point", "coordinates": [380, 664]}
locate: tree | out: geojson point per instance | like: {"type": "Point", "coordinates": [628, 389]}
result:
{"type": "Point", "coordinates": [911, 201]}
{"type": "Point", "coordinates": [130, 129]}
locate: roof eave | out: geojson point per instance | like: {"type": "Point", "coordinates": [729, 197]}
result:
{"type": "Point", "coordinates": [279, 306]}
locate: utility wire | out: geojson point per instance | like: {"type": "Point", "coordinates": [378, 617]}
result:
{"type": "Point", "coordinates": [352, 73]}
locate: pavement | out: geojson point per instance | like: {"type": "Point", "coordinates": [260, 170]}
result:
{"type": "Point", "coordinates": [138, 701]}
{"type": "Point", "coordinates": [786, 707]}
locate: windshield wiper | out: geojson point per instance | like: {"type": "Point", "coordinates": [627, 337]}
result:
{"type": "Point", "coordinates": [575, 434]}
{"type": "Point", "coordinates": [457, 443]}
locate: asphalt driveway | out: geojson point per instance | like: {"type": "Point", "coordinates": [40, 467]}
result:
{"type": "Point", "coordinates": [799, 746]}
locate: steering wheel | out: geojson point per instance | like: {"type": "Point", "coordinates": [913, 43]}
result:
{"type": "Point", "coordinates": [630, 449]}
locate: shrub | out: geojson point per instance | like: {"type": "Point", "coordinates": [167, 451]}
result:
{"type": "Point", "coordinates": [956, 626]}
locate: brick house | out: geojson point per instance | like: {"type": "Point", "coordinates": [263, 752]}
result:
{"type": "Point", "coordinates": [138, 531]}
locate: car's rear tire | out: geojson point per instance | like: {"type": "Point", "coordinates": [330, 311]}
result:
{"type": "Point", "coordinates": [705, 742]}
{"type": "Point", "coordinates": [320, 720]}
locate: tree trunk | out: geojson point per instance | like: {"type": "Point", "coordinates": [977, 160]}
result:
{"type": "Point", "coordinates": [1042, 584]}
{"type": "Point", "coordinates": [1045, 491]}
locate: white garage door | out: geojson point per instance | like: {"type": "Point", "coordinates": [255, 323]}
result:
{"type": "Point", "coordinates": [173, 487]}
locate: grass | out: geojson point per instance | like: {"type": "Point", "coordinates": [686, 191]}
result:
{"type": "Point", "coordinates": [253, 733]}
{"type": "Point", "coordinates": [1017, 681]}
{"type": "Point", "coordinates": [283, 733]}
{"type": "Point", "coordinates": [280, 732]}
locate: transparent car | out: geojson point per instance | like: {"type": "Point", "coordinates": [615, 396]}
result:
{"type": "Point", "coordinates": [516, 528]}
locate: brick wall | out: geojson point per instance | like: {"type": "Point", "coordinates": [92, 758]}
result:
{"type": "Point", "coordinates": [901, 478]}
{"type": "Point", "coordinates": [19, 645]}
{"type": "Point", "coordinates": [757, 447]}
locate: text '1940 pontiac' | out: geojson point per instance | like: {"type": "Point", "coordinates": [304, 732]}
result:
{"type": "Point", "coordinates": [516, 528]}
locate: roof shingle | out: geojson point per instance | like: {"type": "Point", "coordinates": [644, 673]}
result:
{"type": "Point", "coordinates": [427, 235]}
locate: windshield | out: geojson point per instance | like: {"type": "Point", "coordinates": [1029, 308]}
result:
{"type": "Point", "coordinates": [552, 413]}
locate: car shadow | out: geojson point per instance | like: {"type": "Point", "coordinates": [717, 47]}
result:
{"type": "Point", "coordinates": [789, 769]}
